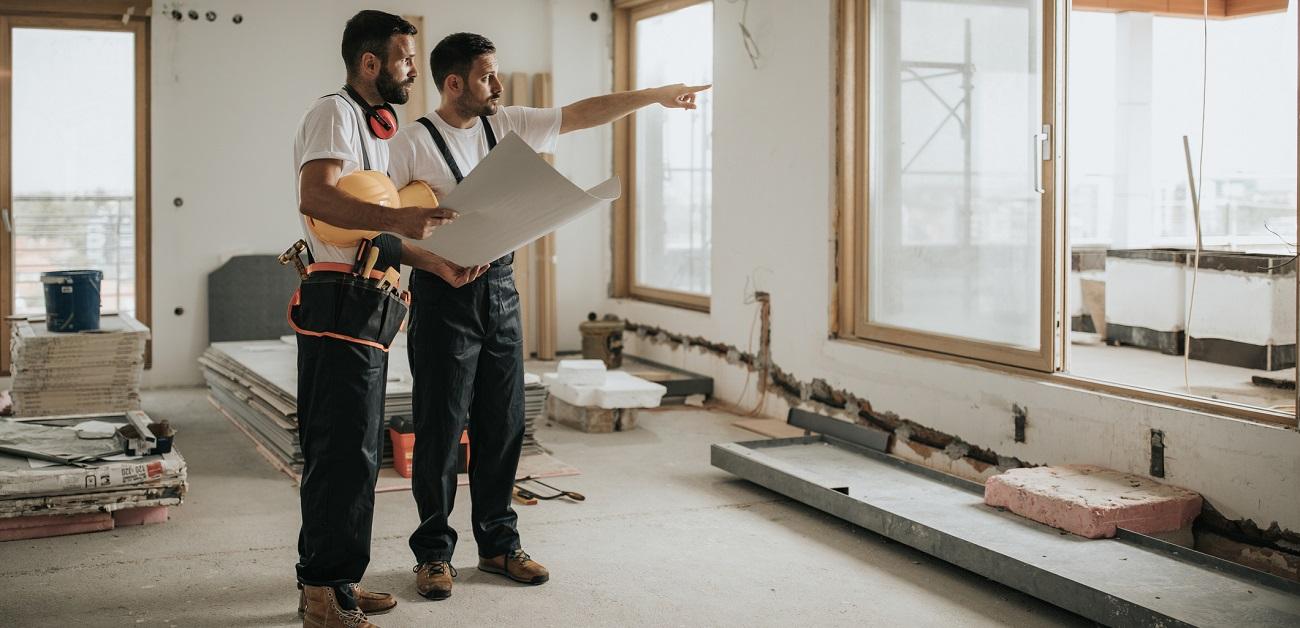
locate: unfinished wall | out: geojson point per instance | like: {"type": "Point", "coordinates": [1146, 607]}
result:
{"type": "Point", "coordinates": [776, 125]}
{"type": "Point", "coordinates": [226, 101]}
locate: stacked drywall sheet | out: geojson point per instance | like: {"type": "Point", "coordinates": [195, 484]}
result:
{"type": "Point", "coordinates": [255, 384]}
{"type": "Point", "coordinates": [77, 373]}
{"type": "Point", "coordinates": [34, 488]}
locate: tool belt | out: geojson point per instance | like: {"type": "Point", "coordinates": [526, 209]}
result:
{"type": "Point", "coordinates": [335, 302]}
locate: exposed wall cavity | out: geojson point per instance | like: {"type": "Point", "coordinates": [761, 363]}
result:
{"type": "Point", "coordinates": [829, 400]}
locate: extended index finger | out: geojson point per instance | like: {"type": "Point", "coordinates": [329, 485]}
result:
{"type": "Point", "coordinates": [691, 89]}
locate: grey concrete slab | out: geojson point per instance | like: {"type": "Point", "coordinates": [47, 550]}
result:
{"type": "Point", "coordinates": [1110, 581]}
{"type": "Point", "coordinates": [663, 539]}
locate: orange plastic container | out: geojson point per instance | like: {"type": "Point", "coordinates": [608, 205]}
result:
{"type": "Point", "coordinates": [404, 451]}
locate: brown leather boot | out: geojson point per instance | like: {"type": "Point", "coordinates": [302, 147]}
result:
{"type": "Point", "coordinates": [517, 566]}
{"type": "Point", "coordinates": [370, 602]}
{"type": "Point", "coordinates": [433, 579]}
{"type": "Point", "coordinates": [323, 611]}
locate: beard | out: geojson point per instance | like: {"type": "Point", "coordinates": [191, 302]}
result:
{"type": "Point", "coordinates": [391, 89]}
{"type": "Point", "coordinates": [469, 107]}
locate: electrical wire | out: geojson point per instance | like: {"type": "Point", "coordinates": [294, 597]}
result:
{"type": "Point", "coordinates": [746, 38]}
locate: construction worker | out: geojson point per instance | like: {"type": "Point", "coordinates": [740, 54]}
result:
{"type": "Point", "coordinates": [464, 334]}
{"type": "Point", "coordinates": [342, 353]}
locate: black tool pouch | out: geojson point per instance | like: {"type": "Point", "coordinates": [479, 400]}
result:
{"type": "Point", "coordinates": [347, 307]}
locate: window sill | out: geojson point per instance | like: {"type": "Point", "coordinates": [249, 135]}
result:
{"type": "Point", "coordinates": [1222, 409]}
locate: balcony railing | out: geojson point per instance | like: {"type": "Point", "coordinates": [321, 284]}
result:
{"type": "Point", "coordinates": [92, 232]}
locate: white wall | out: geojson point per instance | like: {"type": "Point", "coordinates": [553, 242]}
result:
{"type": "Point", "coordinates": [582, 57]}
{"type": "Point", "coordinates": [226, 102]}
{"type": "Point", "coordinates": [774, 176]}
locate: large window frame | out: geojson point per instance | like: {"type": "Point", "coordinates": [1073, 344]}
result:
{"type": "Point", "coordinates": [626, 14]}
{"type": "Point", "coordinates": [107, 15]}
{"type": "Point", "coordinates": [851, 310]}
{"type": "Point", "coordinates": [849, 290]}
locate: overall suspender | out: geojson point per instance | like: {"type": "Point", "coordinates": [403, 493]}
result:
{"type": "Point", "coordinates": [446, 152]}
{"type": "Point", "coordinates": [441, 143]}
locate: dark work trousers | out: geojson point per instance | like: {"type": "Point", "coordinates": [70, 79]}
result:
{"type": "Point", "coordinates": [340, 416]}
{"type": "Point", "coordinates": [467, 360]}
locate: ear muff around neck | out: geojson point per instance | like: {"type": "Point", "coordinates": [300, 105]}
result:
{"type": "Point", "coordinates": [381, 119]}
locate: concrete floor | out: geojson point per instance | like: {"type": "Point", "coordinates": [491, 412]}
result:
{"type": "Point", "coordinates": [663, 539]}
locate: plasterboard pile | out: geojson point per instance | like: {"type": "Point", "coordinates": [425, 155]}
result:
{"type": "Point", "coordinates": [33, 488]}
{"type": "Point", "coordinates": [255, 384]}
{"type": "Point", "coordinates": [77, 373]}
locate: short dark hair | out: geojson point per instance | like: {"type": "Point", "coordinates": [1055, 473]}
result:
{"type": "Point", "coordinates": [455, 54]}
{"type": "Point", "coordinates": [369, 31]}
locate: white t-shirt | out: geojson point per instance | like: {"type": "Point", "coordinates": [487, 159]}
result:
{"type": "Point", "coordinates": [414, 156]}
{"type": "Point", "coordinates": [335, 128]}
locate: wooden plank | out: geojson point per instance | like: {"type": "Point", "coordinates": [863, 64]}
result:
{"type": "Point", "coordinates": [99, 8]}
{"type": "Point", "coordinates": [545, 251]}
{"type": "Point", "coordinates": [622, 164]}
{"type": "Point", "coordinates": [6, 196]}
{"type": "Point", "coordinates": [1242, 8]}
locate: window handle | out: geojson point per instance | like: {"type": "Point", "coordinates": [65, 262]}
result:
{"type": "Point", "coordinates": [1042, 143]}
{"type": "Point", "coordinates": [9, 227]}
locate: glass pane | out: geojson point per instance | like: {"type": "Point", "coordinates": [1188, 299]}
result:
{"type": "Point", "coordinates": [954, 217]}
{"type": "Point", "coordinates": [1134, 92]}
{"type": "Point", "coordinates": [674, 153]}
{"type": "Point", "coordinates": [74, 178]}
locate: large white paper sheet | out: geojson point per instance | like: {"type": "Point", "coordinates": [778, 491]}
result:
{"type": "Point", "coordinates": [510, 199]}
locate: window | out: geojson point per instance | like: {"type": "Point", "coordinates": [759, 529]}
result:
{"type": "Point", "coordinates": [947, 190]}
{"type": "Point", "coordinates": [1131, 317]}
{"type": "Point", "coordinates": [78, 197]}
{"type": "Point", "coordinates": [952, 231]}
{"type": "Point", "coordinates": [665, 157]}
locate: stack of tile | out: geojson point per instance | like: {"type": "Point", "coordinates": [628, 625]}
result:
{"type": "Point", "coordinates": [77, 373]}
{"type": "Point", "coordinates": [40, 499]}
{"type": "Point", "coordinates": [255, 384]}
{"type": "Point", "coordinates": [534, 408]}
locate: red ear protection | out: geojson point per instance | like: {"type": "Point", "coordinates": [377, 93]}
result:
{"type": "Point", "coordinates": [381, 119]}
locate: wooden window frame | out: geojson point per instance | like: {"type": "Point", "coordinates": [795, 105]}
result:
{"type": "Point", "coordinates": [108, 15]}
{"type": "Point", "coordinates": [624, 285]}
{"type": "Point", "coordinates": [850, 311]}
{"type": "Point", "coordinates": [852, 33]}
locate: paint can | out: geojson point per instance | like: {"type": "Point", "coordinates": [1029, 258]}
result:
{"type": "Point", "coordinates": [72, 300]}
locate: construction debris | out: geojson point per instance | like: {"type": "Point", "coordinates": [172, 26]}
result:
{"type": "Point", "coordinates": [47, 498]}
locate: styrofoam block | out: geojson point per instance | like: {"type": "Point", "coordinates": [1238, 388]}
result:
{"type": "Point", "coordinates": [620, 390]}
{"type": "Point", "coordinates": [581, 372]}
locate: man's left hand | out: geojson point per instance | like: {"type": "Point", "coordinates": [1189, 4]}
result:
{"type": "Point", "coordinates": [457, 276]}
{"type": "Point", "coordinates": [678, 96]}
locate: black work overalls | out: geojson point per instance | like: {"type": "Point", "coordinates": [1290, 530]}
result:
{"type": "Point", "coordinates": [340, 423]}
{"type": "Point", "coordinates": [466, 351]}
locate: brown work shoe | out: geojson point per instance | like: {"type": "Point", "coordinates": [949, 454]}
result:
{"type": "Point", "coordinates": [323, 611]}
{"type": "Point", "coordinates": [370, 602]}
{"type": "Point", "coordinates": [517, 566]}
{"type": "Point", "coordinates": [433, 579]}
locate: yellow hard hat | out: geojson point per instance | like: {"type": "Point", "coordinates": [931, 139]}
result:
{"type": "Point", "coordinates": [370, 186]}
{"type": "Point", "coordinates": [417, 194]}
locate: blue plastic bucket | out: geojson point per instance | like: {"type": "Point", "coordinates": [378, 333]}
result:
{"type": "Point", "coordinates": [72, 299]}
